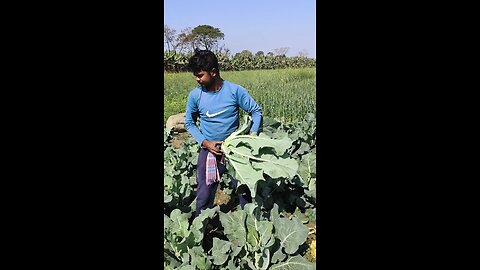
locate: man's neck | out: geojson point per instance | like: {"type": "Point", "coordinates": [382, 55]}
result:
{"type": "Point", "coordinates": [216, 86]}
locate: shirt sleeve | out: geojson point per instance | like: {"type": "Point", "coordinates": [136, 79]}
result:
{"type": "Point", "coordinates": [247, 103]}
{"type": "Point", "coordinates": [191, 117]}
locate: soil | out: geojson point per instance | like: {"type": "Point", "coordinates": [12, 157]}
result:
{"type": "Point", "coordinates": [312, 227]}
{"type": "Point", "coordinates": [178, 139]}
{"type": "Point", "coordinates": [220, 197]}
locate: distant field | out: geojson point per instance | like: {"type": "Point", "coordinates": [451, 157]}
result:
{"type": "Point", "coordinates": [286, 94]}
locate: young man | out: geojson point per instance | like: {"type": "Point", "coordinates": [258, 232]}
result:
{"type": "Point", "coordinates": [216, 102]}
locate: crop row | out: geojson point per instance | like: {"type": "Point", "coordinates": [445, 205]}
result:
{"type": "Point", "coordinates": [177, 62]}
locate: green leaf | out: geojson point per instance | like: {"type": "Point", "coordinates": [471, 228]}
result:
{"type": "Point", "coordinates": [291, 233]}
{"type": "Point", "coordinates": [236, 249]}
{"type": "Point", "coordinates": [264, 260]}
{"type": "Point", "coordinates": [250, 208]}
{"type": "Point", "coordinates": [167, 179]}
{"type": "Point", "coordinates": [301, 216]}
{"type": "Point", "coordinates": [187, 267]}
{"type": "Point", "coordinates": [265, 233]}
{"type": "Point", "coordinates": [276, 167]}
{"type": "Point", "coordinates": [166, 223]}
{"type": "Point", "coordinates": [185, 244]}
{"type": "Point", "coordinates": [274, 215]}
{"type": "Point", "coordinates": [231, 265]}
{"type": "Point", "coordinates": [309, 118]}
{"type": "Point", "coordinates": [278, 256]}
{"type": "Point", "coordinates": [302, 148]}
{"type": "Point", "coordinates": [259, 232]}
{"type": "Point", "coordinates": [245, 173]}
{"type": "Point", "coordinates": [199, 258]}
{"type": "Point", "coordinates": [311, 214]}
{"type": "Point", "coordinates": [250, 263]}
{"type": "Point", "coordinates": [166, 197]}
{"type": "Point", "coordinates": [179, 223]}
{"type": "Point", "coordinates": [234, 226]}
{"type": "Point", "coordinates": [311, 193]}
{"type": "Point", "coordinates": [252, 156]}
{"type": "Point", "coordinates": [252, 233]}
{"type": "Point", "coordinates": [294, 263]}
{"type": "Point", "coordinates": [261, 141]}
{"type": "Point", "coordinates": [185, 181]}
{"type": "Point", "coordinates": [307, 167]}
{"type": "Point", "coordinates": [311, 185]}
{"type": "Point", "coordinates": [220, 251]}
{"type": "Point", "coordinates": [243, 128]}
{"type": "Point", "coordinates": [170, 261]}
{"type": "Point", "coordinates": [199, 223]}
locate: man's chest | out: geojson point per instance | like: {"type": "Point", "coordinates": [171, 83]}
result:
{"type": "Point", "coordinates": [217, 106]}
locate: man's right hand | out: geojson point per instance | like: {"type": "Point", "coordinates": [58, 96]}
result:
{"type": "Point", "coordinates": [212, 146]}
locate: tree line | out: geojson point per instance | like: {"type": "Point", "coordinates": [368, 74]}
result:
{"type": "Point", "coordinates": [178, 47]}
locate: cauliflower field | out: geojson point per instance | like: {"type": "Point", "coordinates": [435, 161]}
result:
{"type": "Point", "coordinates": [276, 231]}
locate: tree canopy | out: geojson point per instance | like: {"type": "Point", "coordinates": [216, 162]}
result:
{"type": "Point", "coordinates": [207, 36]}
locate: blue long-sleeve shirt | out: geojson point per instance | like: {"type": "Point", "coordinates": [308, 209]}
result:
{"type": "Point", "coordinates": [219, 112]}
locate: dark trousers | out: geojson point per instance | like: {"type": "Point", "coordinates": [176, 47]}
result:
{"type": "Point", "coordinates": [206, 194]}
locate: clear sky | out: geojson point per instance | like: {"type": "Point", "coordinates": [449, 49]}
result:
{"type": "Point", "coordinates": [254, 25]}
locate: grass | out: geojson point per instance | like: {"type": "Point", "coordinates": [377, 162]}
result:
{"type": "Point", "coordinates": [286, 94]}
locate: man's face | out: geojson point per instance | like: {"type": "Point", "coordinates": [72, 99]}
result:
{"type": "Point", "coordinates": [205, 78]}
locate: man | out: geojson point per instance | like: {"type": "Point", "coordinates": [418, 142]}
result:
{"type": "Point", "coordinates": [216, 102]}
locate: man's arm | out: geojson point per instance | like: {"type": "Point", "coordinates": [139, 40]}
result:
{"type": "Point", "coordinates": [248, 104]}
{"type": "Point", "coordinates": [191, 117]}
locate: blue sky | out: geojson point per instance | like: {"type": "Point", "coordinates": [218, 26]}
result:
{"type": "Point", "coordinates": [254, 25]}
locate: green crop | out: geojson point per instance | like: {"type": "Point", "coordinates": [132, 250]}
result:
{"type": "Point", "coordinates": [269, 233]}
{"type": "Point", "coordinates": [285, 94]}
{"type": "Point", "coordinates": [177, 62]}
{"type": "Point", "coordinates": [252, 156]}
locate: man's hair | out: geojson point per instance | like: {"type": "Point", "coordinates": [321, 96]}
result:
{"type": "Point", "coordinates": [203, 60]}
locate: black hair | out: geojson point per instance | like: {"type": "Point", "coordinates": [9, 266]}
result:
{"type": "Point", "coordinates": [203, 60]}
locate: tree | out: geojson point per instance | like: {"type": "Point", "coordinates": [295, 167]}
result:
{"type": "Point", "coordinates": [185, 39]}
{"type": "Point", "coordinates": [281, 51]}
{"type": "Point", "coordinates": [222, 49]}
{"type": "Point", "coordinates": [303, 53]}
{"type": "Point", "coordinates": [260, 53]}
{"type": "Point", "coordinates": [170, 38]}
{"type": "Point", "coordinates": [207, 36]}
{"type": "Point", "coordinates": [246, 53]}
